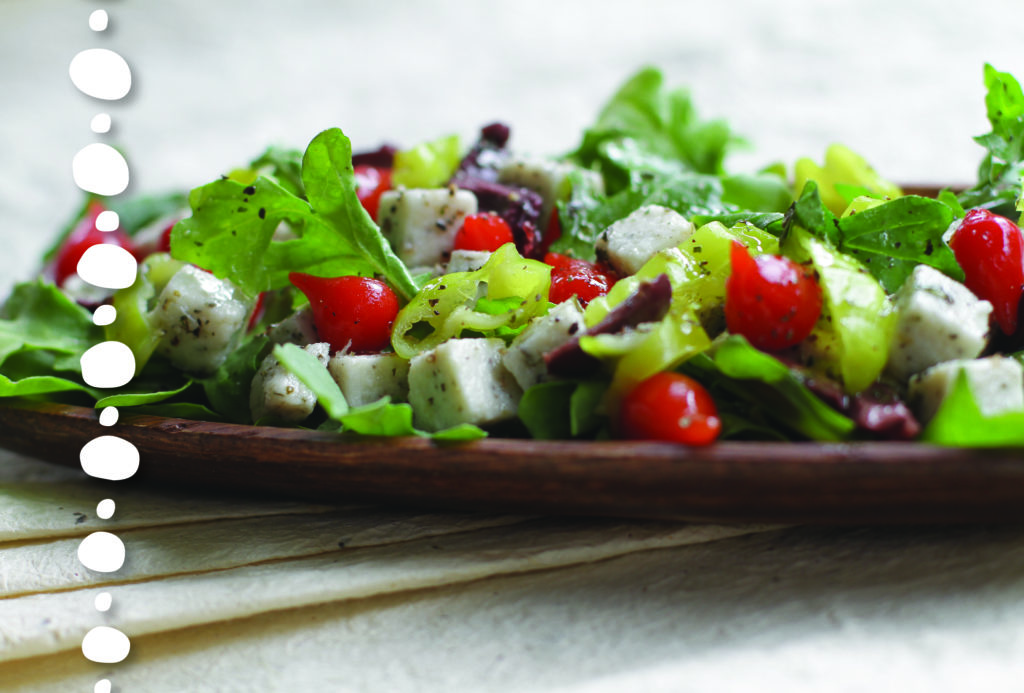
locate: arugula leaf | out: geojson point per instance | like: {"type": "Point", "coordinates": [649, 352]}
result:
{"type": "Point", "coordinates": [753, 385]}
{"type": "Point", "coordinates": [139, 397]}
{"type": "Point", "coordinates": [563, 409]}
{"type": "Point", "coordinates": [39, 316]}
{"type": "Point", "coordinates": [331, 188]}
{"type": "Point", "coordinates": [652, 129]}
{"type": "Point", "coordinates": [999, 174]}
{"type": "Point", "coordinates": [285, 165]}
{"type": "Point", "coordinates": [894, 236]}
{"type": "Point", "coordinates": [231, 230]}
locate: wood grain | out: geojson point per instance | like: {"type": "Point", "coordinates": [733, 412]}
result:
{"type": "Point", "coordinates": [725, 482]}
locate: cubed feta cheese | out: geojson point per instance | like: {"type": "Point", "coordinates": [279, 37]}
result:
{"type": "Point", "coordinates": [297, 328]}
{"type": "Point", "coordinates": [277, 393]}
{"type": "Point", "coordinates": [546, 177]}
{"type": "Point", "coordinates": [421, 224]}
{"type": "Point", "coordinates": [939, 319]}
{"type": "Point", "coordinates": [997, 383]}
{"type": "Point", "coordinates": [462, 381]}
{"type": "Point", "coordinates": [525, 356]}
{"type": "Point", "coordinates": [365, 378]}
{"type": "Point", "coordinates": [628, 243]}
{"type": "Point", "coordinates": [201, 318]}
{"type": "Point", "coordinates": [467, 260]}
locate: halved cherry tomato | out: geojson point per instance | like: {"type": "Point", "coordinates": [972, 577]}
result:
{"type": "Point", "coordinates": [83, 237]}
{"type": "Point", "coordinates": [771, 300]}
{"type": "Point", "coordinates": [483, 231]}
{"type": "Point", "coordinates": [670, 407]}
{"type": "Point", "coordinates": [990, 250]}
{"type": "Point", "coordinates": [371, 183]}
{"type": "Point", "coordinates": [354, 313]}
{"type": "Point", "coordinates": [583, 279]}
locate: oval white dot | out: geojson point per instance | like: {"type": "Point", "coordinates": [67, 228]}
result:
{"type": "Point", "coordinates": [103, 601]}
{"type": "Point", "coordinates": [105, 509]}
{"type": "Point", "coordinates": [108, 266]}
{"type": "Point", "coordinates": [107, 220]}
{"type": "Point", "coordinates": [105, 645]}
{"type": "Point", "coordinates": [98, 20]}
{"type": "Point", "coordinates": [108, 364]}
{"type": "Point", "coordinates": [100, 123]}
{"type": "Point", "coordinates": [99, 168]}
{"type": "Point", "coordinates": [102, 552]}
{"type": "Point", "coordinates": [104, 315]}
{"type": "Point", "coordinates": [110, 458]}
{"type": "Point", "coordinates": [101, 73]}
{"type": "Point", "coordinates": [108, 417]}
{"type": "Point", "coordinates": [102, 686]}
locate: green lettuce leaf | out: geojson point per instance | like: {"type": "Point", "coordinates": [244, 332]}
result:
{"type": "Point", "coordinates": [38, 316]}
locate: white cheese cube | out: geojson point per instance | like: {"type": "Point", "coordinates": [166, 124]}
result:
{"type": "Point", "coordinates": [939, 319]}
{"type": "Point", "coordinates": [365, 378]}
{"type": "Point", "coordinates": [201, 318]}
{"type": "Point", "coordinates": [547, 177]}
{"type": "Point", "coordinates": [467, 260]}
{"type": "Point", "coordinates": [421, 224]}
{"type": "Point", "coordinates": [277, 393]}
{"type": "Point", "coordinates": [462, 381]}
{"type": "Point", "coordinates": [297, 328]}
{"type": "Point", "coordinates": [996, 382]}
{"type": "Point", "coordinates": [628, 243]}
{"type": "Point", "coordinates": [525, 356]}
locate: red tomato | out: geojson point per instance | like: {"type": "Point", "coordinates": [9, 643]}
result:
{"type": "Point", "coordinates": [484, 231]}
{"type": "Point", "coordinates": [670, 407]}
{"type": "Point", "coordinates": [570, 277]}
{"type": "Point", "coordinates": [164, 244]}
{"type": "Point", "coordinates": [350, 312]}
{"type": "Point", "coordinates": [990, 250]}
{"type": "Point", "coordinates": [551, 234]}
{"type": "Point", "coordinates": [771, 300]}
{"type": "Point", "coordinates": [83, 237]}
{"type": "Point", "coordinates": [371, 183]}
{"type": "Point", "coordinates": [257, 311]}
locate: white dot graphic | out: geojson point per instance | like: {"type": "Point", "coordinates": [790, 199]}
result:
{"type": "Point", "coordinates": [105, 509]}
{"type": "Point", "coordinates": [101, 74]}
{"type": "Point", "coordinates": [100, 123]}
{"type": "Point", "coordinates": [110, 458]}
{"type": "Point", "coordinates": [105, 645]}
{"type": "Point", "coordinates": [108, 417]}
{"type": "Point", "coordinates": [102, 686]}
{"type": "Point", "coordinates": [108, 266]}
{"type": "Point", "coordinates": [99, 168]}
{"type": "Point", "coordinates": [102, 552]}
{"type": "Point", "coordinates": [108, 364]}
{"type": "Point", "coordinates": [107, 220]}
{"type": "Point", "coordinates": [98, 20]}
{"type": "Point", "coordinates": [103, 601]}
{"type": "Point", "coordinates": [104, 315]}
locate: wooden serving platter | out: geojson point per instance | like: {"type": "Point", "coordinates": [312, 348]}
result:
{"type": "Point", "coordinates": [726, 482]}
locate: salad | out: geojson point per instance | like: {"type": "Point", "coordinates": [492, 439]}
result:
{"type": "Point", "coordinates": [633, 287]}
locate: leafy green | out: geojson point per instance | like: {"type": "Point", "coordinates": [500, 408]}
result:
{"type": "Point", "coordinates": [141, 397]}
{"type": "Point", "coordinates": [960, 422]}
{"type": "Point", "coordinates": [756, 387]}
{"type": "Point", "coordinates": [40, 385]}
{"type": "Point", "coordinates": [1000, 171]}
{"type": "Point", "coordinates": [563, 409]}
{"type": "Point", "coordinates": [227, 390]}
{"type": "Point", "coordinates": [646, 128]}
{"type": "Point", "coordinates": [38, 316]}
{"type": "Point", "coordinates": [284, 165]}
{"type": "Point", "coordinates": [232, 227]}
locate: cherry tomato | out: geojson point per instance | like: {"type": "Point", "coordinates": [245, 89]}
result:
{"type": "Point", "coordinates": [83, 237]}
{"type": "Point", "coordinates": [371, 183]}
{"type": "Point", "coordinates": [257, 311]}
{"type": "Point", "coordinates": [570, 277]}
{"type": "Point", "coordinates": [670, 407]}
{"type": "Point", "coordinates": [771, 300]}
{"type": "Point", "coordinates": [350, 312]}
{"type": "Point", "coordinates": [990, 250]}
{"type": "Point", "coordinates": [484, 231]}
